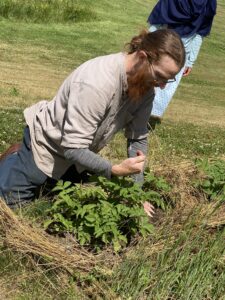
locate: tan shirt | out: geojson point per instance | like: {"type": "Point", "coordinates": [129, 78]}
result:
{"type": "Point", "coordinates": [89, 108]}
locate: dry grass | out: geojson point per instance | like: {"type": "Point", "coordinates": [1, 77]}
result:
{"type": "Point", "coordinates": [180, 176]}
{"type": "Point", "coordinates": [11, 284]}
{"type": "Point", "coordinates": [217, 215]}
{"type": "Point", "coordinates": [33, 83]}
{"type": "Point", "coordinates": [204, 218]}
{"type": "Point", "coordinates": [186, 197]}
{"type": "Point", "coordinates": [46, 253]}
{"type": "Point", "coordinates": [3, 290]}
{"type": "Point", "coordinates": [197, 114]}
{"type": "Point", "coordinates": [25, 238]}
{"type": "Point", "coordinates": [67, 256]}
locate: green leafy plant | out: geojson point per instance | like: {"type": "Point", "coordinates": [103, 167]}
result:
{"type": "Point", "coordinates": [158, 189]}
{"type": "Point", "coordinates": [213, 182]}
{"type": "Point", "coordinates": [108, 212]}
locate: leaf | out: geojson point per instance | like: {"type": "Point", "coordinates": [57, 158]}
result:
{"type": "Point", "coordinates": [66, 184]}
{"type": "Point", "coordinates": [66, 223]}
{"type": "Point", "coordinates": [116, 245]}
{"type": "Point", "coordinates": [47, 223]}
{"type": "Point", "coordinates": [89, 207]}
{"type": "Point", "coordinates": [122, 238]}
{"type": "Point", "coordinates": [148, 227]}
{"type": "Point", "coordinates": [90, 219]}
{"type": "Point", "coordinates": [98, 232]}
{"type": "Point", "coordinates": [82, 240]}
{"type": "Point", "coordinates": [104, 238]}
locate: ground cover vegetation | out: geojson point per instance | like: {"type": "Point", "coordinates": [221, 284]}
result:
{"type": "Point", "coordinates": [105, 212]}
{"type": "Point", "coordinates": [182, 253]}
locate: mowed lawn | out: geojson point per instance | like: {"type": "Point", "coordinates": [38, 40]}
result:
{"type": "Point", "coordinates": [40, 44]}
{"type": "Point", "coordinates": [36, 56]}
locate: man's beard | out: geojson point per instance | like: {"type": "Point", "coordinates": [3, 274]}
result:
{"type": "Point", "coordinates": [139, 81]}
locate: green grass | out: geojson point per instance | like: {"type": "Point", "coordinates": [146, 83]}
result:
{"type": "Point", "coordinates": [175, 141]}
{"type": "Point", "coordinates": [11, 124]}
{"type": "Point", "coordinates": [188, 266]}
{"type": "Point", "coordinates": [42, 11]}
{"type": "Point", "coordinates": [44, 54]}
{"type": "Point", "coordinates": [189, 141]}
{"type": "Point", "coordinates": [30, 280]}
{"type": "Point", "coordinates": [41, 42]}
{"type": "Point", "coordinates": [181, 140]}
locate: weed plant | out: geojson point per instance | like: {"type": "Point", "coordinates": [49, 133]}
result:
{"type": "Point", "coordinates": [109, 212]}
{"type": "Point", "coordinates": [213, 183]}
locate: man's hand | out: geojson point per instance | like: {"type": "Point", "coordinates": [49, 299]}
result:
{"type": "Point", "coordinates": [129, 166]}
{"type": "Point", "coordinates": [187, 71]}
{"type": "Point", "coordinates": [148, 208]}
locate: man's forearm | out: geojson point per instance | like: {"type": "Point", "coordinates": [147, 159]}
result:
{"type": "Point", "coordinates": [89, 161]}
{"type": "Point", "coordinates": [94, 163]}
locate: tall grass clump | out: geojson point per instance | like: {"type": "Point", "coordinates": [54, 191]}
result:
{"type": "Point", "coordinates": [182, 263]}
{"type": "Point", "coordinates": [44, 11]}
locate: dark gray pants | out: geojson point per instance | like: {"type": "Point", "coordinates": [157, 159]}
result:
{"type": "Point", "coordinates": [20, 178]}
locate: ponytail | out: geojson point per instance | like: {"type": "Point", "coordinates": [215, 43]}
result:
{"type": "Point", "coordinates": [158, 43]}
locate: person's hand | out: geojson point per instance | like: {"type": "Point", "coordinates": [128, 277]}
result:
{"type": "Point", "coordinates": [148, 208]}
{"type": "Point", "coordinates": [187, 71]}
{"type": "Point", "coordinates": [129, 166]}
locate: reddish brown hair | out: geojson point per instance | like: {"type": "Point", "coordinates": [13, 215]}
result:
{"type": "Point", "coordinates": [158, 43]}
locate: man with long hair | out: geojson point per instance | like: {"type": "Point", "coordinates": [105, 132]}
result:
{"type": "Point", "coordinates": [99, 98]}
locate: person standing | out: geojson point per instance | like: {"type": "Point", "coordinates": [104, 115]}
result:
{"type": "Point", "coordinates": [192, 20]}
